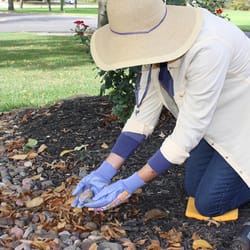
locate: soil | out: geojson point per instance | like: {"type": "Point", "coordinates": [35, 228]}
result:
{"type": "Point", "coordinates": [88, 121]}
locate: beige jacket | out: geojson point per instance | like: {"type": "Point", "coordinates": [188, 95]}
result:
{"type": "Point", "coordinates": [212, 93]}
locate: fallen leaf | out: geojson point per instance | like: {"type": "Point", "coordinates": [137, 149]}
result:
{"type": "Point", "coordinates": [109, 232]}
{"type": "Point", "coordinates": [61, 225]}
{"type": "Point", "coordinates": [41, 148]}
{"type": "Point", "coordinates": [141, 242]}
{"type": "Point", "coordinates": [18, 157]}
{"type": "Point", "coordinates": [60, 188]}
{"type": "Point", "coordinates": [14, 144]}
{"type": "Point", "coordinates": [81, 147]}
{"type": "Point", "coordinates": [64, 152]}
{"type": "Point", "coordinates": [201, 244]}
{"type": "Point", "coordinates": [175, 248]}
{"type": "Point", "coordinates": [104, 146]}
{"type": "Point", "coordinates": [34, 202]}
{"type": "Point", "coordinates": [32, 155]}
{"type": "Point", "coordinates": [154, 214]}
{"type": "Point", "coordinates": [129, 245]}
{"type": "Point", "coordinates": [173, 237]}
{"type": "Point", "coordinates": [196, 236]}
{"type": "Point", "coordinates": [70, 200]}
{"type": "Point", "coordinates": [155, 245]}
{"type": "Point", "coordinates": [78, 148]}
{"type": "Point", "coordinates": [36, 177]}
{"type": "Point", "coordinates": [94, 246]}
{"type": "Point", "coordinates": [213, 222]}
{"type": "Point", "coordinates": [41, 244]}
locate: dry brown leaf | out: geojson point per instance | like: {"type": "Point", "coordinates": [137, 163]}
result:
{"type": "Point", "coordinates": [31, 155]}
{"type": "Point", "coordinates": [15, 144]}
{"type": "Point", "coordinates": [201, 244]}
{"type": "Point", "coordinates": [78, 227]}
{"type": "Point", "coordinates": [172, 236]}
{"type": "Point", "coordinates": [36, 202]}
{"type": "Point", "coordinates": [60, 188]}
{"type": "Point", "coordinates": [213, 222]}
{"type": "Point", "coordinates": [61, 225]}
{"type": "Point", "coordinates": [196, 236]}
{"type": "Point", "coordinates": [40, 244]}
{"type": "Point", "coordinates": [141, 242]}
{"type": "Point", "coordinates": [155, 245]}
{"type": "Point", "coordinates": [42, 218]}
{"type": "Point", "coordinates": [154, 214]}
{"type": "Point", "coordinates": [77, 210]}
{"type": "Point", "coordinates": [36, 177]}
{"type": "Point", "coordinates": [129, 245]}
{"type": "Point", "coordinates": [94, 246]}
{"type": "Point", "coordinates": [175, 248]}
{"type": "Point", "coordinates": [104, 146]}
{"type": "Point", "coordinates": [70, 200]}
{"type": "Point", "coordinates": [18, 157]}
{"type": "Point", "coordinates": [59, 165]}
{"type": "Point", "coordinates": [112, 232]}
{"type": "Point", "coordinates": [41, 148]}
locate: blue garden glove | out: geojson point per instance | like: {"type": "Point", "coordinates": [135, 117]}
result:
{"type": "Point", "coordinates": [116, 193]}
{"type": "Point", "coordinates": [92, 184]}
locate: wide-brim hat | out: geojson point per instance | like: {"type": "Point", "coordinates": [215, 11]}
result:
{"type": "Point", "coordinates": [143, 32]}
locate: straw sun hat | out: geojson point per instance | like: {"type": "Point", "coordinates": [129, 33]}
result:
{"type": "Point", "coordinates": [144, 32]}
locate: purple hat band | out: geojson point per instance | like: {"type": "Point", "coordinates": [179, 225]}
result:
{"type": "Point", "coordinates": [142, 32]}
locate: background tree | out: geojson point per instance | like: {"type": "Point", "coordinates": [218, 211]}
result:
{"type": "Point", "coordinates": [102, 14]}
{"type": "Point", "coordinates": [49, 4]}
{"type": "Point", "coordinates": [10, 4]}
{"type": "Point", "coordinates": [61, 5]}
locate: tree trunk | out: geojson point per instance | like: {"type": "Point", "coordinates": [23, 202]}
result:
{"type": "Point", "coordinates": [61, 4]}
{"type": "Point", "coordinates": [102, 14]}
{"type": "Point", "coordinates": [10, 4]}
{"type": "Point", "coordinates": [75, 4]}
{"type": "Point", "coordinates": [21, 3]}
{"type": "Point", "coordinates": [49, 5]}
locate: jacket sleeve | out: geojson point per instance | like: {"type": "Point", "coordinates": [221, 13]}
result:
{"type": "Point", "coordinates": [205, 78]}
{"type": "Point", "coordinates": [144, 121]}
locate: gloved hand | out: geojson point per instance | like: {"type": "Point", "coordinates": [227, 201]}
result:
{"type": "Point", "coordinates": [93, 184]}
{"type": "Point", "coordinates": [116, 193]}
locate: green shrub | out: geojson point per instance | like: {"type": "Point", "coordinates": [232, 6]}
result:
{"type": "Point", "coordinates": [120, 85]}
{"type": "Point", "coordinates": [214, 6]}
{"type": "Point", "coordinates": [240, 5]}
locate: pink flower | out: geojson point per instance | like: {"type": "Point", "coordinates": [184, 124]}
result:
{"type": "Point", "coordinates": [79, 22]}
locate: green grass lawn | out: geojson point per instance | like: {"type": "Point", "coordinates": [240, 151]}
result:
{"type": "Point", "coordinates": [36, 70]}
{"type": "Point", "coordinates": [56, 10]}
{"type": "Point", "coordinates": [240, 18]}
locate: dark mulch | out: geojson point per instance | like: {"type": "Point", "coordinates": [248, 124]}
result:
{"type": "Point", "coordinates": [88, 120]}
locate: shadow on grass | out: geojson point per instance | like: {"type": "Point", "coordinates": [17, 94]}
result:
{"type": "Point", "coordinates": [44, 52]}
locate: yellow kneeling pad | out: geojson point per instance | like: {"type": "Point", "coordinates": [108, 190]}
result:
{"type": "Point", "coordinates": [192, 212]}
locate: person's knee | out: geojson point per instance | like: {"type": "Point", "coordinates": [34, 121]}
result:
{"type": "Point", "coordinates": [207, 207]}
{"type": "Point", "coordinates": [190, 188]}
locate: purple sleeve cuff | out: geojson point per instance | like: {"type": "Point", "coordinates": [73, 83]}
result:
{"type": "Point", "coordinates": [159, 163]}
{"type": "Point", "coordinates": [133, 182]}
{"type": "Point", "coordinates": [127, 143]}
